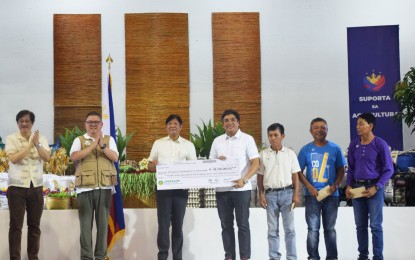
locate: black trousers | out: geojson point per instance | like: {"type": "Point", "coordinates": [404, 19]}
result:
{"type": "Point", "coordinates": [171, 207]}
{"type": "Point", "coordinates": [31, 201]}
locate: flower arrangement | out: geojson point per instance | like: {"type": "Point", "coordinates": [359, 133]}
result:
{"type": "Point", "coordinates": [58, 163]}
{"type": "Point", "coordinates": [136, 179]}
{"type": "Point", "coordinates": [4, 161]}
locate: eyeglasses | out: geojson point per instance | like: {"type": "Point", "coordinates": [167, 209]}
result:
{"type": "Point", "coordinates": [23, 121]}
{"type": "Point", "coordinates": [93, 122]}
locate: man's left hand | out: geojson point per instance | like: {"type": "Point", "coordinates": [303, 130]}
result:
{"type": "Point", "coordinates": [333, 188]}
{"type": "Point", "coordinates": [239, 184]}
{"type": "Point", "coordinates": [370, 192]}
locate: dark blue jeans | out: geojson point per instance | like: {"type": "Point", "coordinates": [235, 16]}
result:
{"type": "Point", "coordinates": [327, 209]}
{"type": "Point", "coordinates": [227, 203]}
{"type": "Point", "coordinates": [171, 207]}
{"type": "Point", "coordinates": [366, 209]}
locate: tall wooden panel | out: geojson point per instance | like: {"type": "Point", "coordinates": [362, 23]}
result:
{"type": "Point", "coordinates": [237, 68]}
{"type": "Point", "coordinates": [77, 68]}
{"type": "Point", "coordinates": [157, 77]}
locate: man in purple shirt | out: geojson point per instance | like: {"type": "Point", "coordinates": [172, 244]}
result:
{"type": "Point", "coordinates": [369, 165]}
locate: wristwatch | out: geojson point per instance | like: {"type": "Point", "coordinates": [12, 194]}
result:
{"type": "Point", "coordinates": [103, 146]}
{"type": "Point", "coordinates": [39, 145]}
{"type": "Point", "coordinates": [245, 181]}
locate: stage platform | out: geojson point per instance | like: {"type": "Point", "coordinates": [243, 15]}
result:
{"type": "Point", "coordinates": [60, 235]}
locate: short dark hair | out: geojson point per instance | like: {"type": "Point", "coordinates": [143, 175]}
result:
{"type": "Point", "coordinates": [93, 113]}
{"type": "Point", "coordinates": [276, 126]}
{"type": "Point", "coordinates": [230, 112]}
{"type": "Point", "coordinates": [174, 116]}
{"type": "Point", "coordinates": [24, 112]}
{"type": "Point", "coordinates": [369, 118]}
{"type": "Point", "coordinates": [317, 119]}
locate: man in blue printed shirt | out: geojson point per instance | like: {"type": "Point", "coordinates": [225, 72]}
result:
{"type": "Point", "coordinates": [324, 164]}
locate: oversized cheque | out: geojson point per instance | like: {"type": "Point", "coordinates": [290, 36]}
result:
{"type": "Point", "coordinates": [197, 174]}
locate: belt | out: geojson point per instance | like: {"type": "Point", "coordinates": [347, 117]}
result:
{"type": "Point", "coordinates": [366, 182]}
{"type": "Point", "coordinates": [280, 189]}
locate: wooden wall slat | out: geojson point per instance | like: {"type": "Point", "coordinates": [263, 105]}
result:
{"type": "Point", "coordinates": [157, 77]}
{"type": "Point", "coordinates": [237, 68]}
{"type": "Point", "coordinates": [77, 68]}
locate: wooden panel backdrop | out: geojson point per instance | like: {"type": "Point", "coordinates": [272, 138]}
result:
{"type": "Point", "coordinates": [237, 68]}
{"type": "Point", "coordinates": [157, 77]}
{"type": "Point", "coordinates": [77, 68]}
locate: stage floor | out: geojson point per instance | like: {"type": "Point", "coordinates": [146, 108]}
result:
{"type": "Point", "coordinates": [60, 235]}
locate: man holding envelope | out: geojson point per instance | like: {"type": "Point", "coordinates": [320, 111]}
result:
{"type": "Point", "coordinates": [324, 164]}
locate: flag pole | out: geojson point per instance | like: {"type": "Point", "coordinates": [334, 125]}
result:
{"type": "Point", "coordinates": [109, 61]}
{"type": "Point", "coordinates": [116, 224]}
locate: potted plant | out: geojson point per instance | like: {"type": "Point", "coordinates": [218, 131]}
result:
{"type": "Point", "coordinates": [404, 95]}
{"type": "Point", "coordinates": [58, 200]}
{"type": "Point", "coordinates": [66, 139]}
{"type": "Point", "coordinates": [122, 142]}
{"type": "Point", "coordinates": [203, 141]}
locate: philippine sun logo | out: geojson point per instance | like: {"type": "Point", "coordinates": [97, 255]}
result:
{"type": "Point", "coordinates": [374, 82]}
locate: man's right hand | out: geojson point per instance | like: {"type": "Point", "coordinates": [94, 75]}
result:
{"type": "Point", "coordinates": [263, 200]}
{"type": "Point", "coordinates": [348, 193]}
{"type": "Point", "coordinates": [152, 165]}
{"type": "Point", "coordinates": [95, 143]}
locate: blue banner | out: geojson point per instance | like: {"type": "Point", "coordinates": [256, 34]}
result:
{"type": "Point", "coordinates": [373, 61]}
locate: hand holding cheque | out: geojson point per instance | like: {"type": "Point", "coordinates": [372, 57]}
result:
{"type": "Point", "coordinates": [197, 174]}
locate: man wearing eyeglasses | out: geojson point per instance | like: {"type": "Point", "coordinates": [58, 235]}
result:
{"type": "Point", "coordinates": [94, 155]}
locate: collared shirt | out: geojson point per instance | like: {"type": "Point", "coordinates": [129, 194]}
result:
{"type": "Point", "coordinates": [30, 168]}
{"type": "Point", "coordinates": [370, 161]}
{"type": "Point", "coordinates": [278, 167]}
{"type": "Point", "coordinates": [241, 146]}
{"type": "Point", "coordinates": [76, 146]}
{"type": "Point", "coordinates": [167, 150]}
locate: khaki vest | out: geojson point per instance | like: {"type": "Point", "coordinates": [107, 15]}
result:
{"type": "Point", "coordinates": [95, 170]}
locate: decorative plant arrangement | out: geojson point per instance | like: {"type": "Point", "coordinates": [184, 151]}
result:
{"type": "Point", "coordinates": [203, 141]}
{"type": "Point", "coordinates": [58, 200]}
{"type": "Point", "coordinates": [4, 162]}
{"type": "Point", "coordinates": [137, 180]}
{"type": "Point", "coordinates": [404, 95]}
{"type": "Point", "coordinates": [58, 163]}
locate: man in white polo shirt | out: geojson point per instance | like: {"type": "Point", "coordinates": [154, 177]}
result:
{"type": "Point", "coordinates": [171, 204]}
{"type": "Point", "coordinates": [278, 191]}
{"type": "Point", "coordinates": [235, 144]}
